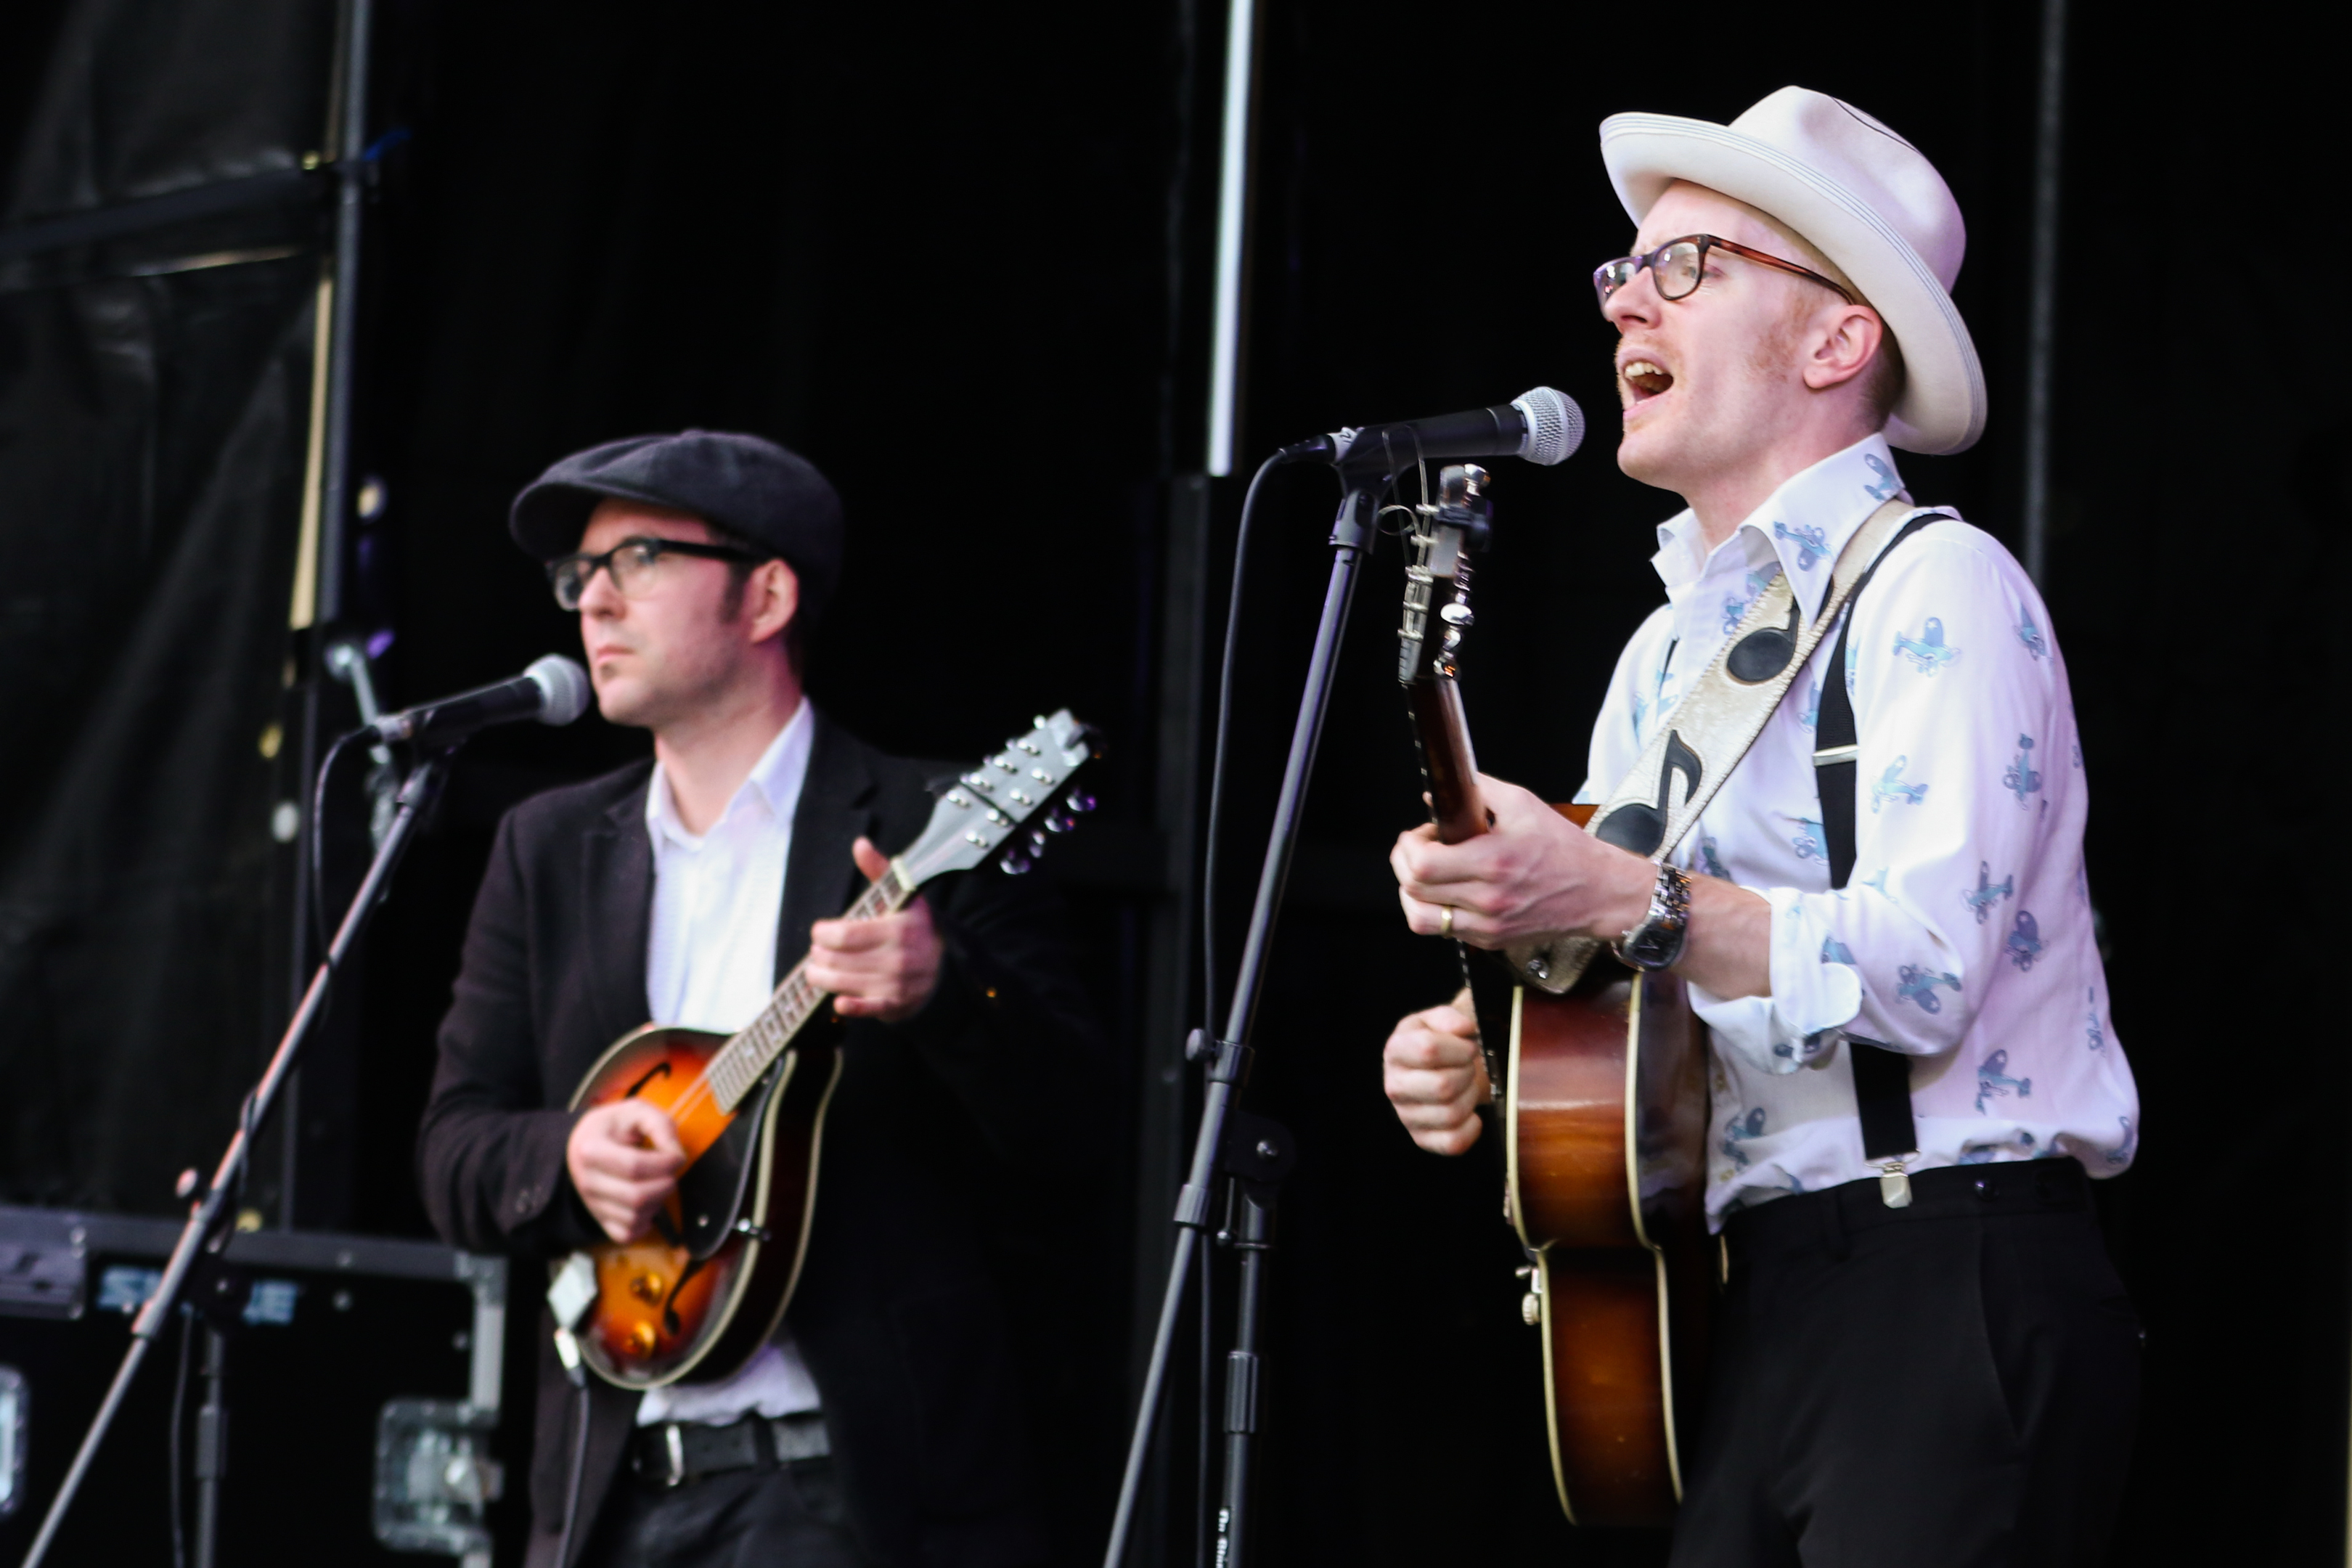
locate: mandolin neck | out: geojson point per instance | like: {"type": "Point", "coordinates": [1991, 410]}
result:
{"type": "Point", "coordinates": [740, 1063]}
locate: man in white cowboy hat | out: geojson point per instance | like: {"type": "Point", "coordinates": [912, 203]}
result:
{"type": "Point", "coordinates": [1924, 1357]}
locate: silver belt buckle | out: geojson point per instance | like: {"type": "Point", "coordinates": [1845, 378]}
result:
{"type": "Point", "coordinates": [674, 1449]}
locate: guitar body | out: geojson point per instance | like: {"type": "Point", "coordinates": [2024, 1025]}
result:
{"type": "Point", "coordinates": [694, 1301]}
{"type": "Point", "coordinates": [1605, 1121]}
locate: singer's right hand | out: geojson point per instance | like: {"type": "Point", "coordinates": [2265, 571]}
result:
{"type": "Point", "coordinates": [1436, 1076]}
{"type": "Point", "coordinates": [624, 1158]}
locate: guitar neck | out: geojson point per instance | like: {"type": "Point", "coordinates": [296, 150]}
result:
{"type": "Point", "coordinates": [741, 1062]}
{"type": "Point", "coordinates": [1453, 772]}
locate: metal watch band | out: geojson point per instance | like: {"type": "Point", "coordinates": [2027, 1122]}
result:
{"type": "Point", "coordinates": [1657, 941]}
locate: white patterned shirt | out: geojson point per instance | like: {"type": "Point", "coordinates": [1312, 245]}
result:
{"type": "Point", "coordinates": [1964, 938]}
{"type": "Point", "coordinates": [710, 963]}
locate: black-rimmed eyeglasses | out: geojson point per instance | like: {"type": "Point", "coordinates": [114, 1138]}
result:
{"type": "Point", "coordinates": [1677, 266]}
{"type": "Point", "coordinates": [636, 566]}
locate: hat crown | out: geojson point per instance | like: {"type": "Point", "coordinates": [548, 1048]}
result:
{"type": "Point", "coordinates": [1860, 151]}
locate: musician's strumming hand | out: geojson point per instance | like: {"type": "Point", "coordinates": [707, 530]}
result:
{"type": "Point", "coordinates": [885, 968]}
{"type": "Point", "coordinates": [1436, 1076]}
{"type": "Point", "coordinates": [624, 1158]}
{"type": "Point", "coordinates": [1534, 874]}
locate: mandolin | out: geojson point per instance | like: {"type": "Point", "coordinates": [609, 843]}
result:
{"type": "Point", "coordinates": [695, 1299]}
{"type": "Point", "coordinates": [1604, 1112]}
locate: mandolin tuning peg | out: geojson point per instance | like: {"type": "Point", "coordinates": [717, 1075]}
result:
{"type": "Point", "coordinates": [1015, 863]}
{"type": "Point", "coordinates": [1080, 801]}
{"type": "Point", "coordinates": [1036, 841]}
{"type": "Point", "coordinates": [1059, 822]}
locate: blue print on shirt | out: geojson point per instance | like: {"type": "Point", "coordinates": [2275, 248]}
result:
{"type": "Point", "coordinates": [1707, 860]}
{"type": "Point", "coordinates": [1927, 652]}
{"type": "Point", "coordinates": [2030, 634]}
{"type": "Point", "coordinates": [2122, 1156]}
{"type": "Point", "coordinates": [1993, 1080]}
{"type": "Point", "coordinates": [1640, 710]}
{"type": "Point", "coordinates": [1813, 706]}
{"type": "Point", "coordinates": [1735, 610]}
{"type": "Point", "coordinates": [1986, 895]}
{"type": "Point", "coordinates": [1888, 487]}
{"type": "Point", "coordinates": [2024, 943]}
{"type": "Point", "coordinates": [1890, 786]}
{"type": "Point", "coordinates": [1879, 882]}
{"type": "Point", "coordinates": [1982, 1153]}
{"type": "Point", "coordinates": [2078, 753]}
{"type": "Point", "coordinates": [2020, 780]}
{"type": "Point", "coordinates": [1851, 654]}
{"type": "Point", "coordinates": [2094, 1035]}
{"type": "Point", "coordinates": [1808, 841]}
{"type": "Point", "coordinates": [1812, 546]}
{"type": "Point", "coordinates": [1835, 951]}
{"type": "Point", "coordinates": [1739, 1130]}
{"type": "Point", "coordinates": [1919, 985]}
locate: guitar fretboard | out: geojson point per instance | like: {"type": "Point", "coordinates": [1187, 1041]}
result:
{"type": "Point", "coordinates": [740, 1062]}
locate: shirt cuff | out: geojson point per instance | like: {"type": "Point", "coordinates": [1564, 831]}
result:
{"type": "Point", "coordinates": [1816, 989]}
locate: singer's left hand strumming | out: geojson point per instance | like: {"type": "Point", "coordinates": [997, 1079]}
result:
{"type": "Point", "coordinates": [1536, 874]}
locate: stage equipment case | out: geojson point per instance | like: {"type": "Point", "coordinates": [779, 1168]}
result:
{"type": "Point", "coordinates": [361, 1387]}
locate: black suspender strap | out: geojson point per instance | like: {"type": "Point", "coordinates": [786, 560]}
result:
{"type": "Point", "coordinates": [1882, 1078]}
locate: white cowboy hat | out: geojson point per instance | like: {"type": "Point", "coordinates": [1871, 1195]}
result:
{"type": "Point", "coordinates": [1866, 199]}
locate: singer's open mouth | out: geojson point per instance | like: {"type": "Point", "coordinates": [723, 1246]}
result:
{"type": "Point", "coordinates": [1646, 377]}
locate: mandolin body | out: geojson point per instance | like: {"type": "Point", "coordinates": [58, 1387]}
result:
{"type": "Point", "coordinates": [694, 1301]}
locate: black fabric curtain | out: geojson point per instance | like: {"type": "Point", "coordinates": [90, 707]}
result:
{"type": "Point", "coordinates": [158, 277]}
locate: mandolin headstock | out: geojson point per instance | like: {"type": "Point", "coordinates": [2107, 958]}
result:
{"type": "Point", "coordinates": [1006, 808]}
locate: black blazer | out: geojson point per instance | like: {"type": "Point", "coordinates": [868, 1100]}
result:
{"type": "Point", "coordinates": [933, 1118]}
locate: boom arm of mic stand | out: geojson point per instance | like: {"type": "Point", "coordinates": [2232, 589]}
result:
{"type": "Point", "coordinates": [1351, 539]}
{"type": "Point", "coordinates": [207, 1224]}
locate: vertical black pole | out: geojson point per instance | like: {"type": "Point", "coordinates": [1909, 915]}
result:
{"type": "Point", "coordinates": [212, 1450]}
{"type": "Point", "coordinates": [2042, 334]}
{"type": "Point", "coordinates": [1253, 1236]}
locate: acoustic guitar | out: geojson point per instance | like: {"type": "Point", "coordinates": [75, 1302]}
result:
{"type": "Point", "coordinates": [1604, 1111]}
{"type": "Point", "coordinates": [695, 1299]}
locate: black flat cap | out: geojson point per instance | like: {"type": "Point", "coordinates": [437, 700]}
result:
{"type": "Point", "coordinates": [753, 486]}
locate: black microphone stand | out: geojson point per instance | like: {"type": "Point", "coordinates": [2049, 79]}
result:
{"type": "Point", "coordinates": [202, 1239]}
{"type": "Point", "coordinates": [1253, 1151]}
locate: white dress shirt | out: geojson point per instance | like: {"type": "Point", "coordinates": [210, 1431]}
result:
{"type": "Point", "coordinates": [710, 963]}
{"type": "Point", "coordinates": [1964, 937]}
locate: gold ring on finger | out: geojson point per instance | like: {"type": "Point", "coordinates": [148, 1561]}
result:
{"type": "Point", "coordinates": [1446, 921]}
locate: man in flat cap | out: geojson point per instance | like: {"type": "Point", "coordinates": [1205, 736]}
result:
{"type": "Point", "coordinates": [881, 1424]}
{"type": "Point", "coordinates": [1873, 887]}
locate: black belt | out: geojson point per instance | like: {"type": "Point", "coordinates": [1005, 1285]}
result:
{"type": "Point", "coordinates": [672, 1453]}
{"type": "Point", "coordinates": [1813, 1221]}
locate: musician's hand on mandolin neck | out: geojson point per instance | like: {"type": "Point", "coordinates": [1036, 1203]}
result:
{"type": "Point", "coordinates": [1536, 874]}
{"type": "Point", "coordinates": [1436, 1076]}
{"type": "Point", "coordinates": [885, 968]}
{"type": "Point", "coordinates": [624, 1158]}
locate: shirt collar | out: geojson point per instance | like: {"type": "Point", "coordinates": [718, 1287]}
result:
{"type": "Point", "coordinates": [774, 780]}
{"type": "Point", "coordinates": [1803, 524]}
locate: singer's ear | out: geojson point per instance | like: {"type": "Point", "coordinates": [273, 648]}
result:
{"type": "Point", "coordinates": [772, 601]}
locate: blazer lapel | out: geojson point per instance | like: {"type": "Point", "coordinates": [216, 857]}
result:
{"type": "Point", "coordinates": [836, 807]}
{"type": "Point", "coordinates": [617, 865]}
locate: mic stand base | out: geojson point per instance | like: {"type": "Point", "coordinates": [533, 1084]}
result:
{"type": "Point", "coordinates": [1351, 539]}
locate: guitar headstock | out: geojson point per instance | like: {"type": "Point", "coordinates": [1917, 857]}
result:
{"type": "Point", "coordinates": [1437, 578]}
{"type": "Point", "coordinates": [1006, 808]}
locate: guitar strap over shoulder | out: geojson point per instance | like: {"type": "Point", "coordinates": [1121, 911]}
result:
{"type": "Point", "coordinates": [1882, 1078]}
{"type": "Point", "coordinates": [1713, 726]}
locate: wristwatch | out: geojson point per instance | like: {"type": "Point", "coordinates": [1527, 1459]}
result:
{"type": "Point", "coordinates": [1657, 941]}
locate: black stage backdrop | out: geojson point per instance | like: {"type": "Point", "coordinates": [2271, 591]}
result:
{"type": "Point", "coordinates": [960, 260]}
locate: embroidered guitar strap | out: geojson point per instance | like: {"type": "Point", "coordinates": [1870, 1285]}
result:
{"type": "Point", "coordinates": [1726, 708]}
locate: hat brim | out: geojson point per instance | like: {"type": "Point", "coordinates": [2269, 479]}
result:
{"type": "Point", "coordinates": [1943, 405]}
{"type": "Point", "coordinates": [548, 520]}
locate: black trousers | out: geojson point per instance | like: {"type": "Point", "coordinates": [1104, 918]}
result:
{"type": "Point", "coordinates": [790, 1517]}
{"type": "Point", "coordinates": [1949, 1385]}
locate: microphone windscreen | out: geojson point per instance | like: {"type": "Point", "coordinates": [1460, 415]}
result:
{"type": "Point", "coordinates": [1554, 424]}
{"type": "Point", "coordinates": [563, 685]}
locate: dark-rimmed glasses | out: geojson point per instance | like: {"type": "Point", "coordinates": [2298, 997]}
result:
{"type": "Point", "coordinates": [634, 564]}
{"type": "Point", "coordinates": [1677, 266]}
